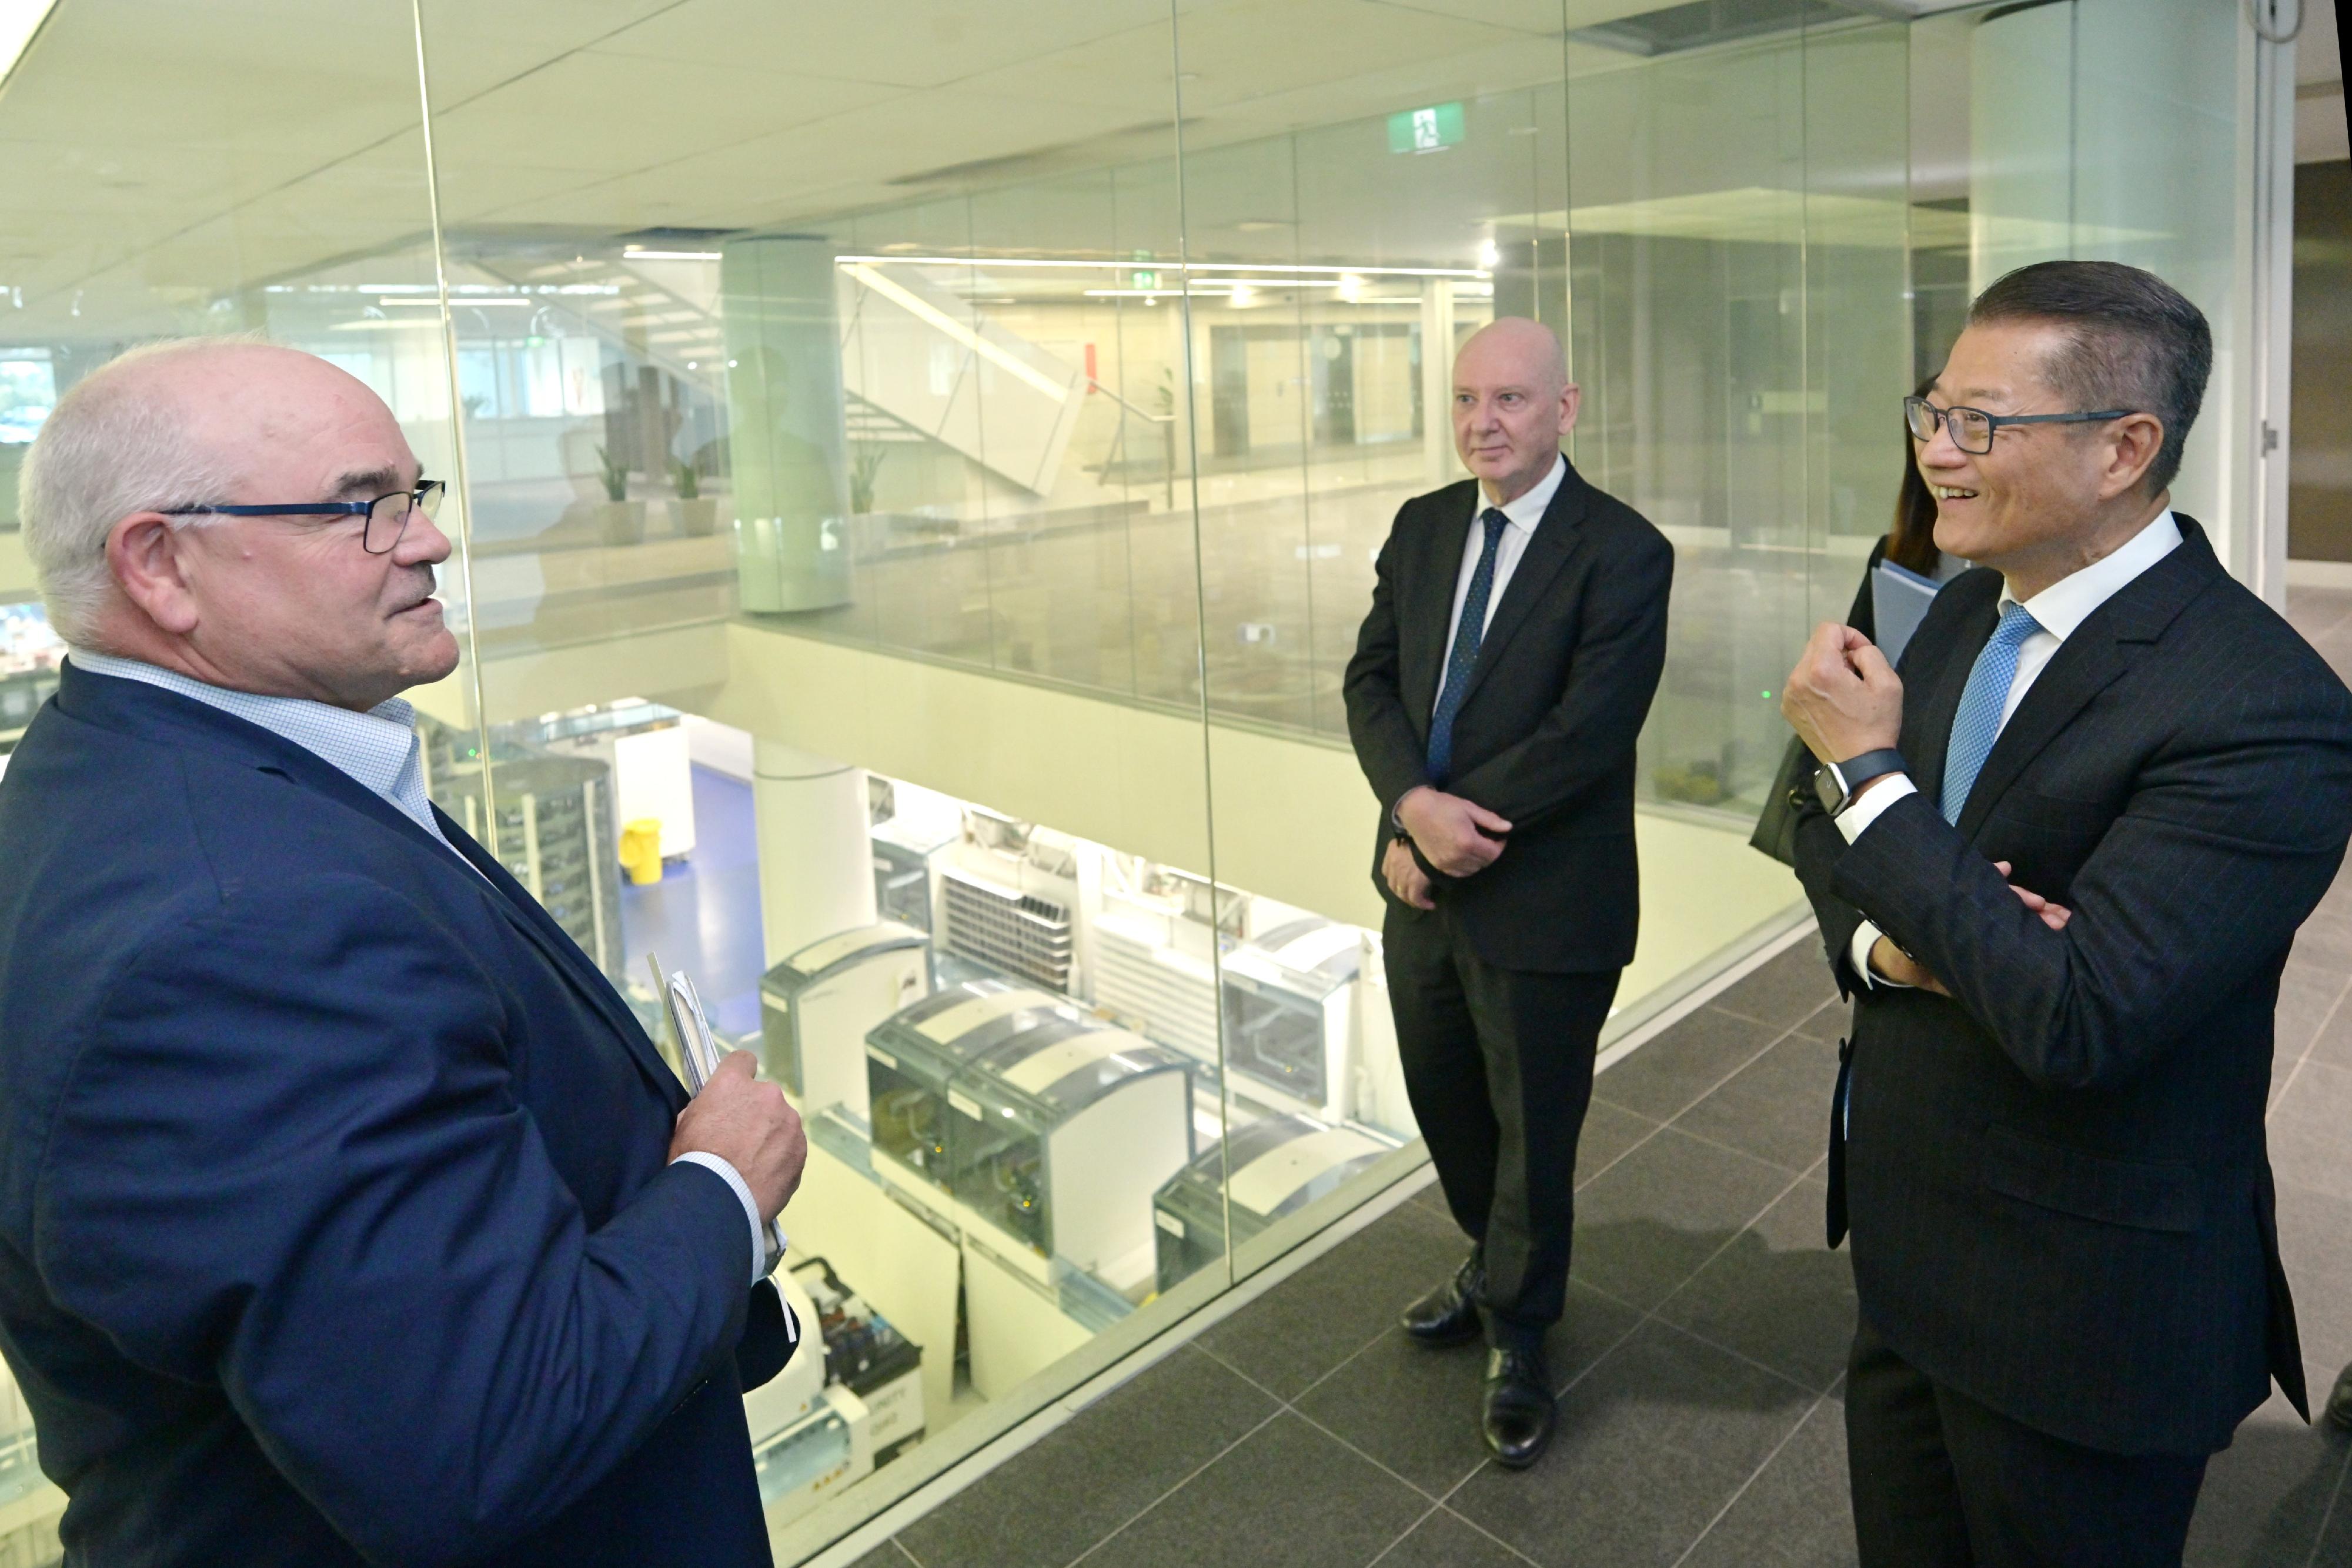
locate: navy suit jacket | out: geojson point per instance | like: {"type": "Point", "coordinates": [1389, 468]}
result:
{"type": "Point", "coordinates": [336, 1224]}
{"type": "Point", "coordinates": [2057, 1177]}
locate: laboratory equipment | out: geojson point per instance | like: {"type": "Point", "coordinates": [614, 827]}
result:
{"type": "Point", "coordinates": [554, 831]}
{"type": "Point", "coordinates": [1278, 1164]}
{"type": "Point", "coordinates": [1020, 1115]}
{"type": "Point", "coordinates": [1288, 1010]}
{"type": "Point", "coordinates": [1007, 891]}
{"type": "Point", "coordinates": [816, 1007]}
{"type": "Point", "coordinates": [810, 1435]}
{"type": "Point", "coordinates": [864, 1352]}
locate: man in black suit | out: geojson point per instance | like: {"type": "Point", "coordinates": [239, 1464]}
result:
{"type": "Point", "coordinates": [1518, 624]}
{"type": "Point", "coordinates": [2058, 864]}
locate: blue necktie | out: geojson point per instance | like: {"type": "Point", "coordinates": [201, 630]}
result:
{"type": "Point", "coordinates": [1977, 723]}
{"type": "Point", "coordinates": [1464, 659]}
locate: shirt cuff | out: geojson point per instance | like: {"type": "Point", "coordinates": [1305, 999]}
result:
{"type": "Point", "coordinates": [734, 1179]}
{"type": "Point", "coordinates": [1856, 818]}
{"type": "Point", "coordinates": [1865, 937]}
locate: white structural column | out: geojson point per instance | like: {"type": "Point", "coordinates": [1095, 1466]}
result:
{"type": "Point", "coordinates": [816, 851]}
{"type": "Point", "coordinates": [1437, 380]}
{"type": "Point", "coordinates": [785, 434]}
{"type": "Point", "coordinates": [2119, 130]}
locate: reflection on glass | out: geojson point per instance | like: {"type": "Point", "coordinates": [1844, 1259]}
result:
{"type": "Point", "coordinates": [915, 398]}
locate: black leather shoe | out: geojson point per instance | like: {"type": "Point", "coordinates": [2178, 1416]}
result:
{"type": "Point", "coordinates": [2339, 1404]}
{"type": "Point", "coordinates": [1449, 1315]}
{"type": "Point", "coordinates": [1517, 1419]}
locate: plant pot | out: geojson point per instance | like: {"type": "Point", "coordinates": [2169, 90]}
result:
{"type": "Point", "coordinates": [621, 522]}
{"type": "Point", "coordinates": [698, 517]}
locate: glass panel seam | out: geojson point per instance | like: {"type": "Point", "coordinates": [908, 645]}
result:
{"type": "Point", "coordinates": [1201, 643]}
{"type": "Point", "coordinates": [458, 477]}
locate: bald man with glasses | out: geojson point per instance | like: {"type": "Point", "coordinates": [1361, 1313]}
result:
{"type": "Point", "coordinates": [347, 1215]}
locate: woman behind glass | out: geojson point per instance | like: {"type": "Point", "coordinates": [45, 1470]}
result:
{"type": "Point", "coordinates": [1910, 543]}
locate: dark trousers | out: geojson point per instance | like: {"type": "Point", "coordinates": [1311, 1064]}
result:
{"type": "Point", "coordinates": [1940, 1482]}
{"type": "Point", "coordinates": [1499, 1065]}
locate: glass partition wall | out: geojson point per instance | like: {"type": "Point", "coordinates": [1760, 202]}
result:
{"type": "Point", "coordinates": [918, 479]}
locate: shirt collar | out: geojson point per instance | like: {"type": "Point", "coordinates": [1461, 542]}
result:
{"type": "Point", "coordinates": [2066, 603]}
{"type": "Point", "coordinates": [1527, 511]}
{"type": "Point", "coordinates": [373, 748]}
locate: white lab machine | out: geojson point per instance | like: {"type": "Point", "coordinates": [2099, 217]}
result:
{"type": "Point", "coordinates": [1032, 1125]}
{"type": "Point", "coordinates": [1289, 1000]}
{"type": "Point", "coordinates": [816, 1007]}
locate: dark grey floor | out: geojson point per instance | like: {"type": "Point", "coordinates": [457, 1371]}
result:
{"type": "Point", "coordinates": [1700, 1362]}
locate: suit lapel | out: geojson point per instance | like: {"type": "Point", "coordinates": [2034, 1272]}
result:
{"type": "Point", "coordinates": [2084, 667]}
{"type": "Point", "coordinates": [2087, 662]}
{"type": "Point", "coordinates": [526, 915]}
{"type": "Point", "coordinates": [135, 708]}
{"type": "Point", "coordinates": [508, 896]}
{"type": "Point", "coordinates": [1930, 741]}
{"type": "Point", "coordinates": [1554, 541]}
{"type": "Point", "coordinates": [1434, 602]}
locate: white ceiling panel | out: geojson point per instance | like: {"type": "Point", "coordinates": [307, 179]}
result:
{"type": "Point", "coordinates": [608, 114]}
{"type": "Point", "coordinates": [472, 45]}
{"type": "Point", "coordinates": [1541, 17]}
{"type": "Point", "coordinates": [908, 43]}
{"type": "Point", "coordinates": [1249, 49]}
{"type": "Point", "coordinates": [291, 81]}
{"type": "Point", "coordinates": [751, 181]}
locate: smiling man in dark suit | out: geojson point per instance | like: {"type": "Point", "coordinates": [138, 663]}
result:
{"type": "Point", "coordinates": [1518, 630]}
{"type": "Point", "coordinates": [2060, 862]}
{"type": "Point", "coordinates": [346, 1213]}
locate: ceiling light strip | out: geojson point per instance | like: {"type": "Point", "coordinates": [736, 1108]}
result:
{"type": "Point", "coordinates": [1160, 265]}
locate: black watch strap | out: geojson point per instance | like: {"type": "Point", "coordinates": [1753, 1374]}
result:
{"type": "Point", "coordinates": [1858, 771]}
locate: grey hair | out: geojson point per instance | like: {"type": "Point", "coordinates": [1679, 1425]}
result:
{"type": "Point", "coordinates": [110, 448]}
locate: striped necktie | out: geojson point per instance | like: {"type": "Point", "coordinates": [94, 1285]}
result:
{"type": "Point", "coordinates": [1977, 725]}
{"type": "Point", "coordinates": [1463, 661]}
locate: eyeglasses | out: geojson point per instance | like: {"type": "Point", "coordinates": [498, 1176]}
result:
{"type": "Point", "coordinates": [387, 516]}
{"type": "Point", "coordinates": [1972, 428]}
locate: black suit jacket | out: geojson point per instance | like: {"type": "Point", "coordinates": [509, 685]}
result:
{"type": "Point", "coordinates": [1545, 736]}
{"type": "Point", "coordinates": [2059, 1188]}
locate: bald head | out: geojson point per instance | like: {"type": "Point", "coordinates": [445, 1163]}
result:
{"type": "Point", "coordinates": [290, 604]}
{"type": "Point", "coordinates": [1513, 404]}
{"type": "Point", "coordinates": [1518, 347]}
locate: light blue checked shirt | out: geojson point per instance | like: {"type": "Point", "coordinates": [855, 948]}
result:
{"type": "Point", "coordinates": [380, 748]}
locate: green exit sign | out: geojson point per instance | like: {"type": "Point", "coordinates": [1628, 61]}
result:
{"type": "Point", "coordinates": [1425, 130]}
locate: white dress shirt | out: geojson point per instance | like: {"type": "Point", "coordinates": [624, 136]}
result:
{"type": "Point", "coordinates": [2058, 609]}
{"type": "Point", "coordinates": [380, 749]}
{"type": "Point", "coordinates": [1523, 514]}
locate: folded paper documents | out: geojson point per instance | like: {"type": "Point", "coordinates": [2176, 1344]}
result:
{"type": "Point", "coordinates": [1899, 598]}
{"type": "Point", "coordinates": [698, 1051]}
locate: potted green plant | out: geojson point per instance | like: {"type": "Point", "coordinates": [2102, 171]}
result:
{"type": "Point", "coordinates": [862, 470]}
{"type": "Point", "coordinates": [619, 521]}
{"type": "Point", "coordinates": [697, 513]}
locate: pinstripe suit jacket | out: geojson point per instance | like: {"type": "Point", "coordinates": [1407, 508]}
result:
{"type": "Point", "coordinates": [2059, 1190]}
